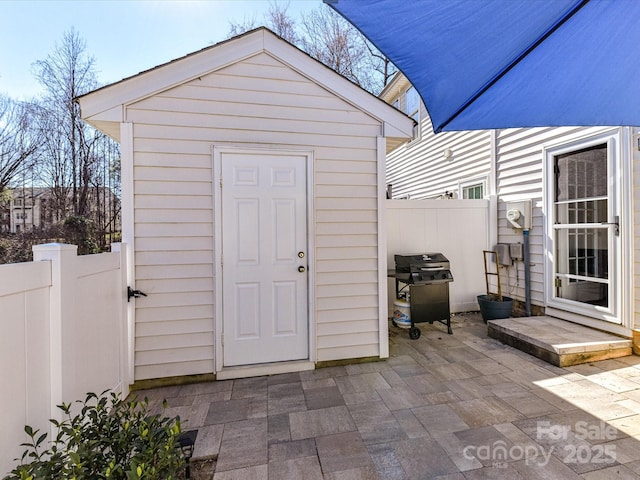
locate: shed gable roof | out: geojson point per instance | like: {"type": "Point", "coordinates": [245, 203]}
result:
{"type": "Point", "coordinates": [104, 108]}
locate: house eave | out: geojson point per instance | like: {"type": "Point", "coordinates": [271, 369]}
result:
{"type": "Point", "coordinates": [391, 91]}
{"type": "Point", "coordinates": [108, 121]}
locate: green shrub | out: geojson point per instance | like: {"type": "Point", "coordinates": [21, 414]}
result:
{"type": "Point", "coordinates": [109, 439]}
{"type": "Point", "coordinates": [81, 231]}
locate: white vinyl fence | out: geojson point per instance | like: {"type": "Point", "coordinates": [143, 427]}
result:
{"type": "Point", "coordinates": [63, 329]}
{"type": "Point", "coordinates": [62, 334]}
{"type": "Point", "coordinates": [459, 229]}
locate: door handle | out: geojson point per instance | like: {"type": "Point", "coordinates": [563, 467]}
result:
{"type": "Point", "coordinates": [616, 222]}
{"type": "Point", "coordinates": [301, 269]}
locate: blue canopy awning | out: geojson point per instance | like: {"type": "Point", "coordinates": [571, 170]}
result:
{"type": "Point", "coordinates": [484, 64]}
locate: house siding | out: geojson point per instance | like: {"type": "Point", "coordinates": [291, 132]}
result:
{"type": "Point", "coordinates": [635, 228]}
{"type": "Point", "coordinates": [520, 176]}
{"type": "Point", "coordinates": [258, 101]}
{"type": "Point", "coordinates": [418, 170]}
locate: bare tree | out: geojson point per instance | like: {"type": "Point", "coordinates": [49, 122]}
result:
{"type": "Point", "coordinates": [54, 168]}
{"type": "Point", "coordinates": [277, 19]}
{"type": "Point", "coordinates": [238, 28]}
{"type": "Point", "coordinates": [18, 142]}
{"type": "Point", "coordinates": [381, 64]}
{"type": "Point", "coordinates": [106, 189]}
{"type": "Point", "coordinates": [281, 23]}
{"type": "Point", "coordinates": [76, 161]}
{"type": "Point", "coordinates": [332, 40]}
{"type": "Point", "coordinates": [329, 38]}
{"type": "Point", "coordinates": [65, 74]}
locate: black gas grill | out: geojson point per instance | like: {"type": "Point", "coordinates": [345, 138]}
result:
{"type": "Point", "coordinates": [423, 280]}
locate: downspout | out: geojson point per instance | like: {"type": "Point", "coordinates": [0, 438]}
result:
{"type": "Point", "coordinates": [492, 234]}
{"type": "Point", "coordinates": [527, 273]}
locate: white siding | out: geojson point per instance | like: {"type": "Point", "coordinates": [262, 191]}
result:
{"type": "Point", "coordinates": [519, 177]}
{"type": "Point", "coordinates": [635, 217]}
{"type": "Point", "coordinates": [418, 170]}
{"type": "Point", "coordinates": [256, 101]}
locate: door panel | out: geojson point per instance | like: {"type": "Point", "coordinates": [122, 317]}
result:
{"type": "Point", "coordinates": [264, 227]}
{"type": "Point", "coordinates": [284, 308]}
{"type": "Point", "coordinates": [247, 220]}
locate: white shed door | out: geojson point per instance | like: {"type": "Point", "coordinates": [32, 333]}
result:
{"type": "Point", "coordinates": [264, 269]}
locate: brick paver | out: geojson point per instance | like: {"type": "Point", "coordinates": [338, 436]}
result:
{"type": "Point", "coordinates": [461, 406]}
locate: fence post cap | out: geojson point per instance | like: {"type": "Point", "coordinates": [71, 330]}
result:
{"type": "Point", "coordinates": [54, 247]}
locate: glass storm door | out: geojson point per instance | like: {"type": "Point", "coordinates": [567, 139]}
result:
{"type": "Point", "coordinates": [585, 227]}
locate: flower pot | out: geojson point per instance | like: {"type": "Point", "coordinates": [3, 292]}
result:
{"type": "Point", "coordinates": [491, 308]}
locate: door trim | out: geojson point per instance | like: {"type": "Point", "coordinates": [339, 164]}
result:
{"type": "Point", "coordinates": [217, 152]}
{"type": "Point", "coordinates": [258, 370]}
{"type": "Point", "coordinates": [128, 239]}
{"type": "Point", "coordinates": [383, 295]}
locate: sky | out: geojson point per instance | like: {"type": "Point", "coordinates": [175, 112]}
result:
{"type": "Point", "coordinates": [124, 36]}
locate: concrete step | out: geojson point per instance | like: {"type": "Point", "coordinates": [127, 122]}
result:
{"type": "Point", "coordinates": [559, 342]}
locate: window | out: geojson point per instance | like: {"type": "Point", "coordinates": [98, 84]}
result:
{"type": "Point", "coordinates": [412, 104]}
{"type": "Point", "coordinates": [473, 189]}
{"type": "Point", "coordinates": [581, 208]}
{"type": "Point", "coordinates": [473, 192]}
{"type": "Point", "coordinates": [412, 109]}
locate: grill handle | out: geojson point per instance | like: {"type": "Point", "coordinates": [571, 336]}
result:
{"type": "Point", "coordinates": [435, 268]}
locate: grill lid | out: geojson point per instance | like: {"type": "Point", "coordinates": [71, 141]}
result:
{"type": "Point", "coordinates": [405, 262]}
{"type": "Point", "coordinates": [423, 268]}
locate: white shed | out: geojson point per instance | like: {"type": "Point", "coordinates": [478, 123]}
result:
{"type": "Point", "coordinates": [252, 184]}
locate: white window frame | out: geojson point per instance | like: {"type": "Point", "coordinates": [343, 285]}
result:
{"type": "Point", "coordinates": [416, 111]}
{"type": "Point", "coordinates": [473, 183]}
{"type": "Point", "coordinates": [417, 129]}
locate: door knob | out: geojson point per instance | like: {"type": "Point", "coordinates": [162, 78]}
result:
{"type": "Point", "coordinates": [300, 254]}
{"type": "Point", "coordinates": [301, 269]}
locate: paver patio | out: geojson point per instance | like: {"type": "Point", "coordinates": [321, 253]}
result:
{"type": "Point", "coordinates": [455, 407]}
